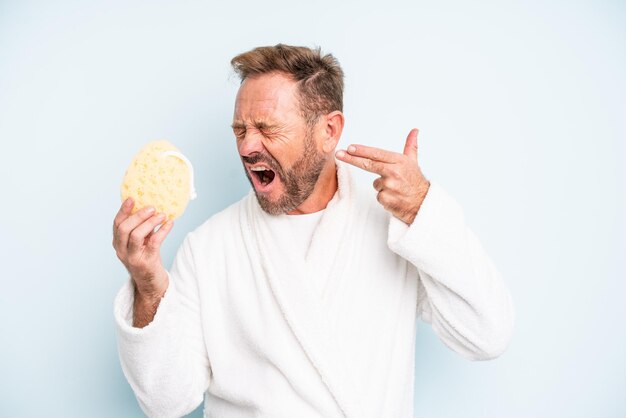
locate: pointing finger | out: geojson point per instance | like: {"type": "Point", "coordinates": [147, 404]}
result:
{"type": "Point", "coordinates": [410, 147]}
{"type": "Point", "coordinates": [373, 153]}
{"type": "Point", "coordinates": [363, 163]}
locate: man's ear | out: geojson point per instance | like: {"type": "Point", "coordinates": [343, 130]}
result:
{"type": "Point", "coordinates": [333, 126]}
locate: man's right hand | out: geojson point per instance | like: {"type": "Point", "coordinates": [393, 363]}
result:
{"type": "Point", "coordinates": [139, 248]}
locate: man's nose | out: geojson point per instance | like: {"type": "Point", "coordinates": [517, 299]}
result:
{"type": "Point", "coordinates": [250, 144]}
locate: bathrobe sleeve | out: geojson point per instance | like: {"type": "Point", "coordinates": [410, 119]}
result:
{"type": "Point", "coordinates": [461, 293]}
{"type": "Point", "coordinates": [166, 362]}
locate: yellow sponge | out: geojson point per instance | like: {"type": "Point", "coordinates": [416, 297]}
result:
{"type": "Point", "coordinates": [159, 176]}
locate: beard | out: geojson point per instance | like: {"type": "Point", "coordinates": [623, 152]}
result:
{"type": "Point", "coordinates": [298, 182]}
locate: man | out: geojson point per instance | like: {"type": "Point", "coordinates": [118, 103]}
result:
{"type": "Point", "coordinates": [301, 299]}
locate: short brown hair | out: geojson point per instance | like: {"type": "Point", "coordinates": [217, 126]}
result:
{"type": "Point", "coordinates": [319, 77]}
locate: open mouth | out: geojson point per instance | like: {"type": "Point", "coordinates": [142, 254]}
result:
{"type": "Point", "coordinates": [263, 174]}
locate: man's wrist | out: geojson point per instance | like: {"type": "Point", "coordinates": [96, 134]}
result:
{"type": "Point", "coordinates": [144, 311]}
{"type": "Point", "coordinates": [151, 289]}
{"type": "Point", "coordinates": [146, 303]}
{"type": "Point", "coordinates": [422, 191]}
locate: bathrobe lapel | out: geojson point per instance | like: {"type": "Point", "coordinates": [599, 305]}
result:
{"type": "Point", "coordinates": [330, 245]}
{"type": "Point", "coordinates": [290, 278]}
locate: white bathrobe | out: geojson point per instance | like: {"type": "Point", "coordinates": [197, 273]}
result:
{"type": "Point", "coordinates": [242, 324]}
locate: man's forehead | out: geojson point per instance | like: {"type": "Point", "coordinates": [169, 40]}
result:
{"type": "Point", "coordinates": [263, 96]}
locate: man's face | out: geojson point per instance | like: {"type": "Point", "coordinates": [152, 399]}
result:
{"type": "Point", "coordinates": [279, 152]}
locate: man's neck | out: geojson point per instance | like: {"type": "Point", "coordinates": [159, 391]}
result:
{"type": "Point", "coordinates": [323, 192]}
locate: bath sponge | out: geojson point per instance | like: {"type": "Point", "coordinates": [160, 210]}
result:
{"type": "Point", "coordinates": [159, 176]}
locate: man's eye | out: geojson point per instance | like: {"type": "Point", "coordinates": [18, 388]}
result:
{"type": "Point", "coordinates": [268, 132]}
{"type": "Point", "coordinates": [239, 133]}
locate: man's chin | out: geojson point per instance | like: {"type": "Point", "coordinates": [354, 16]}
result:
{"type": "Point", "coordinates": [271, 201]}
{"type": "Point", "coordinates": [270, 207]}
{"type": "Point", "coordinates": [277, 203]}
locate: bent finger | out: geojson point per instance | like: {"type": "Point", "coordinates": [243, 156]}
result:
{"type": "Point", "coordinates": [139, 234]}
{"type": "Point", "coordinates": [154, 243]}
{"type": "Point", "coordinates": [378, 184]}
{"type": "Point", "coordinates": [123, 213]}
{"type": "Point", "coordinates": [127, 226]}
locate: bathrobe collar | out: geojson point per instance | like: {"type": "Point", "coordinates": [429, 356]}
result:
{"type": "Point", "coordinates": [290, 277]}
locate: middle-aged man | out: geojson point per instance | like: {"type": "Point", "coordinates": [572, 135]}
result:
{"type": "Point", "coordinates": [301, 299]}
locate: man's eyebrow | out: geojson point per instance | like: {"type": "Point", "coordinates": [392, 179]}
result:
{"type": "Point", "coordinates": [264, 125]}
{"type": "Point", "coordinates": [261, 124]}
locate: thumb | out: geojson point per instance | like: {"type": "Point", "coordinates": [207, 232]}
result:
{"type": "Point", "coordinates": [410, 147]}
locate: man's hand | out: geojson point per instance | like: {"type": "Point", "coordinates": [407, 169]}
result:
{"type": "Point", "coordinates": [401, 186]}
{"type": "Point", "coordinates": [138, 247]}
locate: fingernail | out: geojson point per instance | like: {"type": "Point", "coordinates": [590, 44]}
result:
{"type": "Point", "coordinates": [341, 154]}
{"type": "Point", "coordinates": [160, 216]}
{"type": "Point", "coordinates": [149, 209]}
{"type": "Point", "coordinates": [351, 148]}
{"type": "Point", "coordinates": [128, 201]}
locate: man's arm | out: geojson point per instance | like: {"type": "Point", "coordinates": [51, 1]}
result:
{"type": "Point", "coordinates": [159, 331]}
{"type": "Point", "coordinates": [462, 294]}
{"type": "Point", "coordinates": [165, 361]}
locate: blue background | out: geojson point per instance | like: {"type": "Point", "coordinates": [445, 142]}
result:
{"type": "Point", "coordinates": [521, 107]}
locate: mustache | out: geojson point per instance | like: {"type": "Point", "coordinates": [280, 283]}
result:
{"type": "Point", "coordinates": [257, 158]}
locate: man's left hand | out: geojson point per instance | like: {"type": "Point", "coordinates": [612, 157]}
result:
{"type": "Point", "coordinates": [401, 186]}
